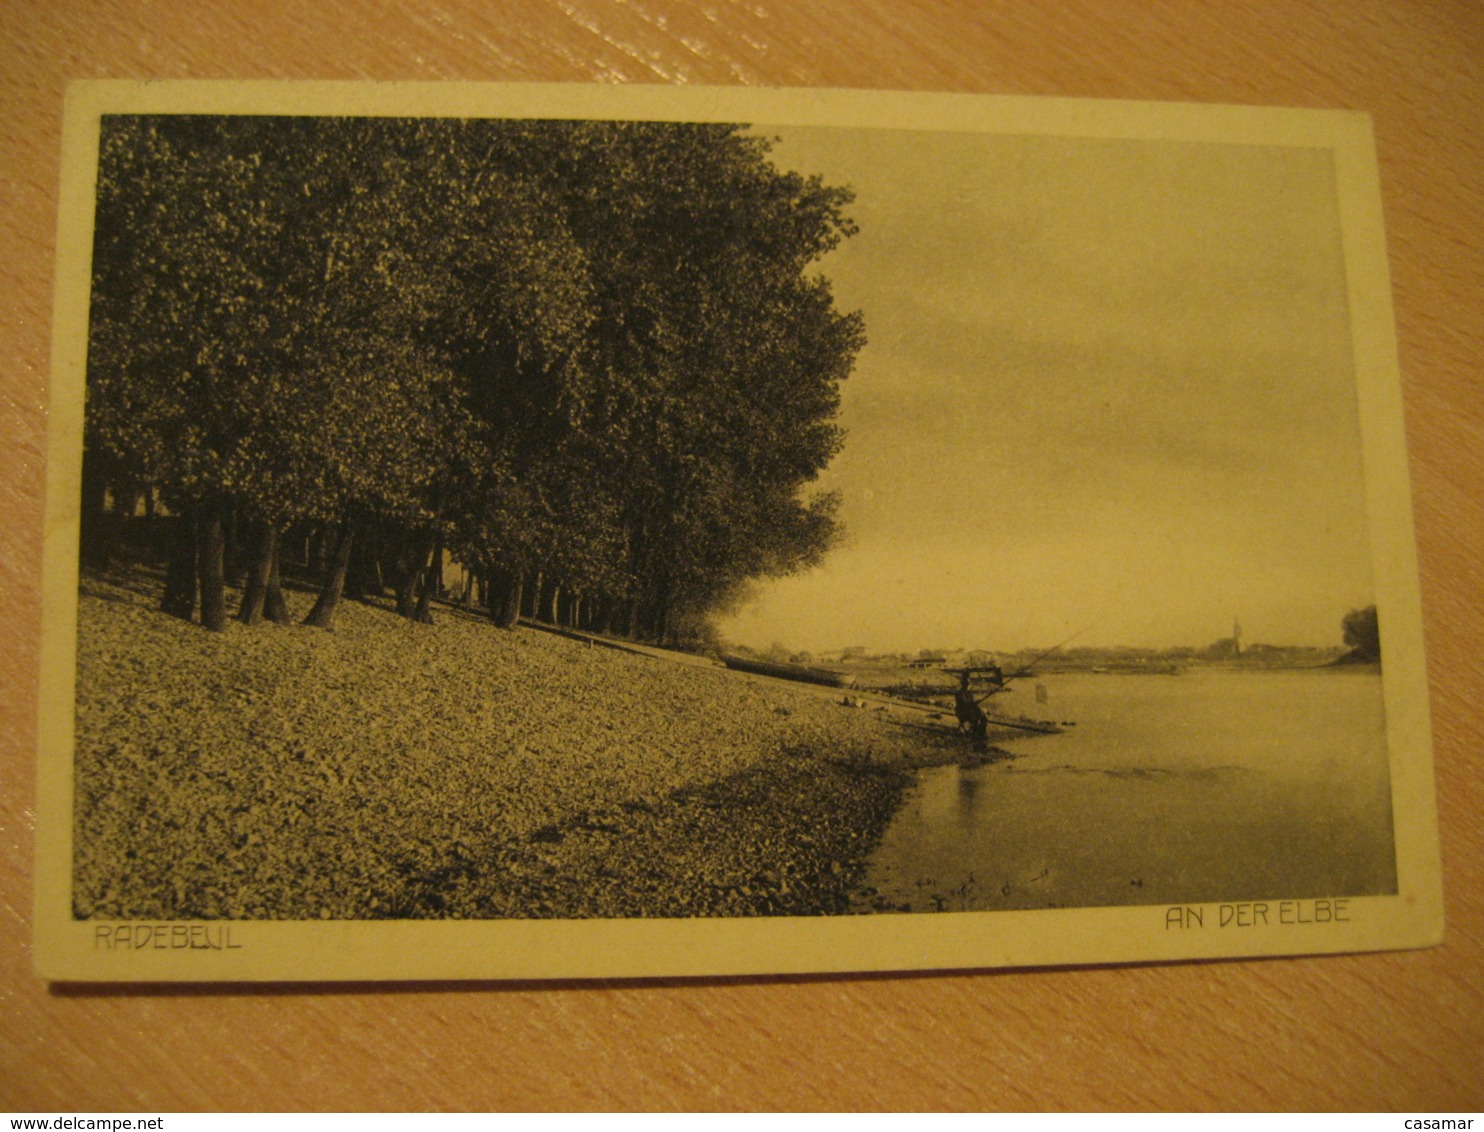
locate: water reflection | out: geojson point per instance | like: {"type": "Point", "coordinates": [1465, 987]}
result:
{"type": "Point", "coordinates": [968, 791]}
{"type": "Point", "coordinates": [1205, 787]}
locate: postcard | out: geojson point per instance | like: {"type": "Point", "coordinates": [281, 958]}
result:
{"type": "Point", "coordinates": [550, 532]}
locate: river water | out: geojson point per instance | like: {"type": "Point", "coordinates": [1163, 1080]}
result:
{"type": "Point", "coordinates": [1206, 786]}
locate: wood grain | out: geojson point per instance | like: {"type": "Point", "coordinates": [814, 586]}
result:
{"type": "Point", "coordinates": [1395, 1031]}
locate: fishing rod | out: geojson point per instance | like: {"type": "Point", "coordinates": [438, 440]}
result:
{"type": "Point", "coordinates": [1025, 670]}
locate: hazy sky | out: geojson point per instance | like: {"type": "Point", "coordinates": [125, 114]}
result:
{"type": "Point", "coordinates": [1108, 387]}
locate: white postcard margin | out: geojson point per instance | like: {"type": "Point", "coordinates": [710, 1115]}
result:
{"type": "Point", "coordinates": [68, 949]}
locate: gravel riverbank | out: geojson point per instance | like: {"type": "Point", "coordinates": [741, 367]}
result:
{"type": "Point", "coordinates": [388, 769]}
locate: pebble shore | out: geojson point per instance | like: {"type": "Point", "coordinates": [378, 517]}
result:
{"type": "Point", "coordinates": [393, 770]}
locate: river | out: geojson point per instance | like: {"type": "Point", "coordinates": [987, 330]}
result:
{"type": "Point", "coordinates": [1211, 785]}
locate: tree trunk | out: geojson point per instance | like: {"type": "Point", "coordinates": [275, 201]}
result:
{"type": "Point", "coordinates": [431, 583]}
{"type": "Point", "coordinates": [408, 575]}
{"type": "Point", "coordinates": [210, 567]}
{"type": "Point", "coordinates": [660, 623]}
{"type": "Point", "coordinates": [534, 608]}
{"type": "Point", "coordinates": [323, 613]}
{"type": "Point", "coordinates": [232, 549]}
{"type": "Point", "coordinates": [556, 598]}
{"type": "Point", "coordinates": [435, 571]}
{"type": "Point", "coordinates": [414, 570]}
{"type": "Point", "coordinates": [508, 616]}
{"type": "Point", "coordinates": [179, 599]}
{"type": "Point", "coordinates": [493, 586]}
{"type": "Point", "coordinates": [255, 595]}
{"type": "Point", "coordinates": [275, 608]}
{"type": "Point", "coordinates": [364, 578]}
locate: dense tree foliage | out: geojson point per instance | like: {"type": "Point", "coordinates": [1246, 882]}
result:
{"type": "Point", "coordinates": [588, 359]}
{"type": "Point", "coordinates": [1362, 631]}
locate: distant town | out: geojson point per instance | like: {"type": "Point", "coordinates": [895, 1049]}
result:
{"type": "Point", "coordinates": [1226, 652]}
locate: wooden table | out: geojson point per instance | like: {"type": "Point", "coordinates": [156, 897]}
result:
{"type": "Point", "coordinates": [1398, 1031]}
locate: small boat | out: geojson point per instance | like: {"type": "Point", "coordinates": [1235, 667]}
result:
{"type": "Point", "coordinates": [784, 671]}
{"type": "Point", "coordinates": [1024, 723]}
{"type": "Point", "coordinates": [943, 723]}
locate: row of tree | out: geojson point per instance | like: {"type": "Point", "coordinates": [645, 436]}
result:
{"type": "Point", "coordinates": [587, 360]}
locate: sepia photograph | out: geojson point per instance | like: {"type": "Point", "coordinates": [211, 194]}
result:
{"type": "Point", "coordinates": [507, 518]}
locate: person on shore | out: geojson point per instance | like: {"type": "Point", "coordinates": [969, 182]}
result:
{"type": "Point", "coordinates": [971, 717]}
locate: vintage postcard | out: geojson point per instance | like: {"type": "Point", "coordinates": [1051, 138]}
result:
{"type": "Point", "coordinates": [555, 532]}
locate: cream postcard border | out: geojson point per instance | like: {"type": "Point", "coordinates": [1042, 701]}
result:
{"type": "Point", "coordinates": [66, 949]}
